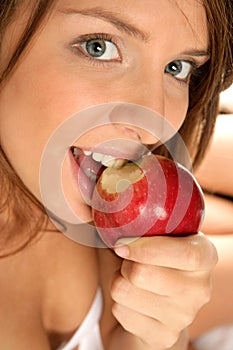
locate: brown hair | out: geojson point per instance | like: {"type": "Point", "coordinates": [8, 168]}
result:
{"type": "Point", "coordinates": [13, 192]}
{"type": "Point", "coordinates": [213, 77]}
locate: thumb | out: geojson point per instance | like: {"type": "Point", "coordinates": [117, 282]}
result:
{"type": "Point", "coordinates": [124, 246]}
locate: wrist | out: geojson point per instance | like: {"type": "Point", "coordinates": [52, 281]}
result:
{"type": "Point", "coordinates": [183, 342]}
{"type": "Point", "coordinates": [123, 339]}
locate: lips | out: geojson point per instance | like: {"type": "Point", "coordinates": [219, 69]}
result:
{"type": "Point", "coordinates": [88, 166]}
{"type": "Point", "coordinates": [92, 162]}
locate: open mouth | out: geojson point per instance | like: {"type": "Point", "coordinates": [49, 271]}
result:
{"type": "Point", "coordinates": [88, 165]}
{"type": "Point", "coordinates": [94, 163]}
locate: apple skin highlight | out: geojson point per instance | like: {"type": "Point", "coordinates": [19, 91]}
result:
{"type": "Point", "coordinates": [156, 196]}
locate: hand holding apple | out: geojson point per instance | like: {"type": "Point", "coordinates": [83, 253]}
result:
{"type": "Point", "coordinates": [162, 282]}
{"type": "Point", "coordinates": [154, 197]}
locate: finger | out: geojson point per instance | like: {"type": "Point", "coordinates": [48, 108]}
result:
{"type": "Point", "coordinates": [191, 253]}
{"type": "Point", "coordinates": [150, 331]}
{"type": "Point", "coordinates": [166, 281]}
{"type": "Point", "coordinates": [174, 312]}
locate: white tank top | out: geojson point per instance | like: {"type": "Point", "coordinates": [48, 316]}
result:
{"type": "Point", "coordinates": [219, 338]}
{"type": "Point", "coordinates": [88, 335]}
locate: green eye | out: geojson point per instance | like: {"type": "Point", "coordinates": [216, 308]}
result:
{"type": "Point", "coordinates": [96, 48]}
{"type": "Point", "coordinates": [101, 49]}
{"type": "Point", "coordinates": [179, 69]}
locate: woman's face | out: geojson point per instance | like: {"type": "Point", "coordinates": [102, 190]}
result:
{"type": "Point", "coordinates": [95, 52]}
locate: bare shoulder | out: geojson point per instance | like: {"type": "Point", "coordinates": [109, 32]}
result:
{"type": "Point", "coordinates": [20, 320]}
{"type": "Point", "coordinates": [45, 292]}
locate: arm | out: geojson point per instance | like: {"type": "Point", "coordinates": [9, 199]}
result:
{"type": "Point", "coordinates": [219, 311]}
{"type": "Point", "coordinates": [218, 215]}
{"type": "Point", "coordinates": [215, 177]}
{"type": "Point", "coordinates": [155, 292]}
{"type": "Point", "coordinates": [215, 171]}
{"type": "Point", "coordinates": [218, 224]}
{"type": "Point", "coordinates": [226, 101]}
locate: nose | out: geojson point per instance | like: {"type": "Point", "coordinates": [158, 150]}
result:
{"type": "Point", "coordinates": [137, 122]}
{"type": "Point", "coordinates": [146, 92]}
{"type": "Point", "coordinates": [146, 88]}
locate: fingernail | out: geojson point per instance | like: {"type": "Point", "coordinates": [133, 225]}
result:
{"type": "Point", "coordinates": [122, 251]}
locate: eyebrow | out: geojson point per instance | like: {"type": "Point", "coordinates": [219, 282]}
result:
{"type": "Point", "coordinates": [112, 18]}
{"type": "Point", "coordinates": [197, 53]}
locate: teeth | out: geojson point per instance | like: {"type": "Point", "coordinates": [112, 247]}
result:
{"type": "Point", "coordinates": [116, 163]}
{"type": "Point", "coordinates": [87, 153]}
{"type": "Point", "coordinates": [106, 160]}
{"type": "Point", "coordinates": [98, 157]}
{"type": "Point", "coordinates": [75, 152]}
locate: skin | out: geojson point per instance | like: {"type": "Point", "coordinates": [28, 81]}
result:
{"type": "Point", "coordinates": [70, 83]}
{"type": "Point", "coordinates": [218, 227]}
{"type": "Point", "coordinates": [219, 158]}
{"type": "Point", "coordinates": [51, 83]}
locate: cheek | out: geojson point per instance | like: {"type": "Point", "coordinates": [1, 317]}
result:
{"type": "Point", "coordinates": [176, 106]}
{"type": "Point", "coordinates": [32, 106]}
{"type": "Point", "coordinates": [29, 113]}
{"type": "Point", "coordinates": [20, 138]}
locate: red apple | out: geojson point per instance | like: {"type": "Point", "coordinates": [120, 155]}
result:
{"type": "Point", "coordinates": [156, 196]}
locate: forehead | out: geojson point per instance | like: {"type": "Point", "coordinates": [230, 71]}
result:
{"type": "Point", "coordinates": [188, 16]}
